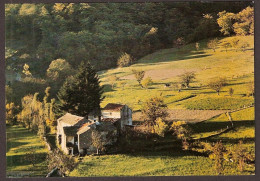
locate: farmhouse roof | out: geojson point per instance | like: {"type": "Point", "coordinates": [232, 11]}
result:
{"type": "Point", "coordinates": [85, 127]}
{"type": "Point", "coordinates": [113, 107]}
{"type": "Point", "coordinates": [72, 119]}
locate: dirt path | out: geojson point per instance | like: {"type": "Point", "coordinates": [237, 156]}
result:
{"type": "Point", "coordinates": [186, 115]}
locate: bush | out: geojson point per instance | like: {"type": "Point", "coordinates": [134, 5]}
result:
{"type": "Point", "coordinates": [64, 163]}
{"type": "Point", "coordinates": [146, 82]}
{"type": "Point", "coordinates": [124, 60]}
{"type": "Point", "coordinates": [160, 127]}
{"type": "Point", "coordinates": [212, 44]}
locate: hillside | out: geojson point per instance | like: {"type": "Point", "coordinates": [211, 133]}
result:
{"type": "Point", "coordinates": [165, 65]}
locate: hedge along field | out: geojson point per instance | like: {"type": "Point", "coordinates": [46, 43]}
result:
{"type": "Point", "coordinates": [165, 65]}
{"type": "Point", "coordinates": [19, 143]}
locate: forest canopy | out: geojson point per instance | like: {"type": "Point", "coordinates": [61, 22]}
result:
{"type": "Point", "coordinates": [100, 33]}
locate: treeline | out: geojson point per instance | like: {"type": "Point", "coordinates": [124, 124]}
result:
{"type": "Point", "coordinates": [37, 34]}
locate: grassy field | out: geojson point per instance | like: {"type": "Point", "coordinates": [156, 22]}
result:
{"type": "Point", "coordinates": [149, 164]}
{"type": "Point", "coordinates": [164, 66]}
{"type": "Point", "coordinates": [174, 161]}
{"type": "Point", "coordinates": [19, 143]}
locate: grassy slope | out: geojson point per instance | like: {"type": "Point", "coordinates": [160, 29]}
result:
{"type": "Point", "coordinates": [165, 65]}
{"type": "Point", "coordinates": [19, 140]}
{"type": "Point", "coordinates": [174, 162]}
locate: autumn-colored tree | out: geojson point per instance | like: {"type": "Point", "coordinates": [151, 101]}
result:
{"type": "Point", "coordinates": [147, 82]}
{"type": "Point", "coordinates": [186, 78]}
{"type": "Point", "coordinates": [197, 46]}
{"type": "Point", "coordinates": [217, 154]}
{"type": "Point", "coordinates": [212, 44]}
{"type": "Point", "coordinates": [160, 127]}
{"type": "Point", "coordinates": [11, 113]}
{"type": "Point", "coordinates": [240, 155]}
{"type": "Point", "coordinates": [226, 45]}
{"type": "Point", "coordinates": [225, 21]}
{"type": "Point", "coordinates": [234, 42]}
{"type": "Point", "coordinates": [113, 79]}
{"type": "Point", "coordinates": [139, 75]}
{"type": "Point", "coordinates": [124, 60]}
{"type": "Point", "coordinates": [26, 70]}
{"type": "Point", "coordinates": [245, 22]}
{"type": "Point", "coordinates": [152, 109]}
{"type": "Point", "coordinates": [182, 132]}
{"type": "Point", "coordinates": [217, 84]}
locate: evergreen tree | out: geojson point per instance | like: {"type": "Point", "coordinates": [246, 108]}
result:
{"type": "Point", "coordinates": [82, 93]}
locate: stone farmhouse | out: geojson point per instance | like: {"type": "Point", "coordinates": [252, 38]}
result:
{"type": "Point", "coordinates": [74, 133]}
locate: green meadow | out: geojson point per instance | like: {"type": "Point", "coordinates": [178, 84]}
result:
{"type": "Point", "coordinates": [166, 65]}
{"type": "Point", "coordinates": [20, 142]}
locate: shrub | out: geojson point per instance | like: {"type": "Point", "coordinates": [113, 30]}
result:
{"type": "Point", "coordinates": [187, 78]}
{"type": "Point", "coordinates": [65, 163]}
{"type": "Point", "coordinates": [182, 132]}
{"type": "Point", "coordinates": [124, 60]}
{"type": "Point", "coordinates": [217, 84]}
{"type": "Point", "coordinates": [231, 91]}
{"type": "Point", "coordinates": [212, 44]}
{"type": "Point", "coordinates": [146, 82]}
{"type": "Point", "coordinates": [139, 75]}
{"type": "Point", "coordinates": [160, 127]}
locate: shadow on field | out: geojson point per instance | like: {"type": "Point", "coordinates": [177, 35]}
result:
{"type": "Point", "coordinates": [210, 126]}
{"type": "Point", "coordinates": [108, 88]}
{"type": "Point", "coordinates": [14, 144]}
{"type": "Point", "coordinates": [26, 159]}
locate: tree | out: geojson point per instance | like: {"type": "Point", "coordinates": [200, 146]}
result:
{"type": "Point", "coordinates": [243, 45]}
{"type": "Point", "coordinates": [225, 22]}
{"type": "Point", "coordinates": [179, 42]}
{"type": "Point", "coordinates": [97, 141]}
{"type": "Point", "coordinates": [226, 45]}
{"type": "Point", "coordinates": [26, 70]}
{"type": "Point", "coordinates": [212, 44]}
{"type": "Point", "coordinates": [251, 88]}
{"type": "Point", "coordinates": [124, 60]}
{"type": "Point", "coordinates": [186, 78]}
{"type": "Point", "coordinates": [64, 163]}
{"type": "Point", "coordinates": [153, 109]}
{"type": "Point", "coordinates": [240, 155]}
{"type": "Point", "coordinates": [11, 113]}
{"type": "Point", "coordinates": [139, 75]}
{"type": "Point", "coordinates": [234, 42]}
{"type": "Point", "coordinates": [244, 22]}
{"type": "Point", "coordinates": [146, 82]}
{"type": "Point", "coordinates": [181, 131]}
{"type": "Point", "coordinates": [197, 46]}
{"type": "Point", "coordinates": [217, 84]}
{"type": "Point", "coordinates": [81, 93]}
{"type": "Point", "coordinates": [113, 80]}
{"type": "Point", "coordinates": [217, 154]}
{"type": "Point", "coordinates": [59, 68]}
{"type": "Point", "coordinates": [231, 91]}
{"type": "Point", "coordinates": [160, 127]}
